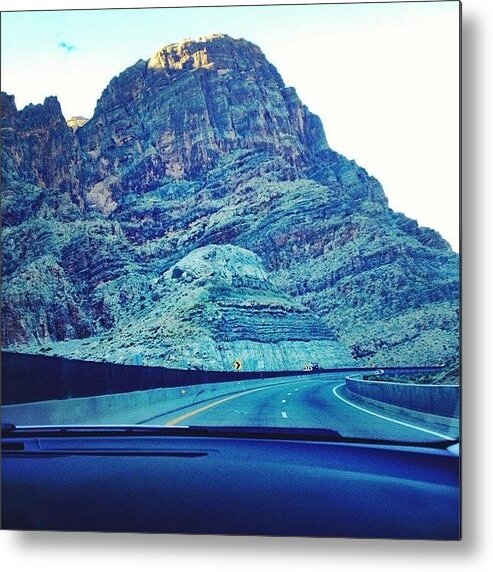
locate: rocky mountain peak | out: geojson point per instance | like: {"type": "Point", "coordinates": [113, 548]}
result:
{"type": "Point", "coordinates": [43, 115]}
{"type": "Point", "coordinates": [77, 121]}
{"type": "Point", "coordinates": [38, 146]}
{"type": "Point", "coordinates": [189, 105]}
{"type": "Point", "coordinates": [34, 116]}
{"type": "Point", "coordinates": [214, 51]}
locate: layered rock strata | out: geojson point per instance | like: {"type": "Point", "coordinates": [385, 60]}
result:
{"type": "Point", "coordinates": [212, 309]}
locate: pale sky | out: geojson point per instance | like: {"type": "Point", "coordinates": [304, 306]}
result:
{"type": "Point", "coordinates": [383, 77]}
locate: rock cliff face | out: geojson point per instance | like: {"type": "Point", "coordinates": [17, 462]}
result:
{"type": "Point", "coordinates": [31, 139]}
{"type": "Point", "coordinates": [189, 105]}
{"type": "Point", "coordinates": [201, 145]}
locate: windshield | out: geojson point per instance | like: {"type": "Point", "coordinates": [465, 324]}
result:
{"type": "Point", "coordinates": [182, 245]}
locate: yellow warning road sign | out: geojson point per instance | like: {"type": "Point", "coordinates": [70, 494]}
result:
{"type": "Point", "coordinates": [237, 364]}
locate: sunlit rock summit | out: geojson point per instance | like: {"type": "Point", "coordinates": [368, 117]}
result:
{"type": "Point", "coordinates": [198, 156]}
{"type": "Point", "coordinates": [188, 106]}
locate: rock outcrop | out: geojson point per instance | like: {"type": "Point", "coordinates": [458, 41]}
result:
{"type": "Point", "coordinates": [189, 105]}
{"type": "Point", "coordinates": [212, 308]}
{"type": "Point", "coordinates": [38, 148]}
{"type": "Point", "coordinates": [203, 144]}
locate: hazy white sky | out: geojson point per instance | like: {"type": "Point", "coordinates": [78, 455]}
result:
{"type": "Point", "coordinates": [384, 77]}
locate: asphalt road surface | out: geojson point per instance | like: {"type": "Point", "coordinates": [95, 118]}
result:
{"type": "Point", "coordinates": [311, 401]}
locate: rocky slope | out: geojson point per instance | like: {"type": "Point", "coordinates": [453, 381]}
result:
{"type": "Point", "coordinates": [204, 144]}
{"type": "Point", "coordinates": [216, 306]}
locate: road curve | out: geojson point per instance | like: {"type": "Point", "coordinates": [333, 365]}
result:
{"type": "Point", "coordinates": [314, 401]}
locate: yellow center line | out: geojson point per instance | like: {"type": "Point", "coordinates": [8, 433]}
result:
{"type": "Point", "coordinates": [214, 404]}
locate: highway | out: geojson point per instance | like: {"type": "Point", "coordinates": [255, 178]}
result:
{"type": "Point", "coordinates": [310, 401]}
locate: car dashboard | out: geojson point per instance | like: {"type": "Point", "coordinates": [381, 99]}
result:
{"type": "Point", "coordinates": [227, 481]}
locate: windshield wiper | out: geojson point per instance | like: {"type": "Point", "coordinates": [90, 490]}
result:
{"type": "Point", "coordinates": [10, 430]}
{"type": "Point", "coordinates": [239, 432]}
{"type": "Point", "coordinates": [269, 432]}
{"type": "Point", "coordinates": [151, 430]}
{"type": "Point", "coordinates": [308, 434]}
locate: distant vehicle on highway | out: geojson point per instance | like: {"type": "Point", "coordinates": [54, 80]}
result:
{"type": "Point", "coordinates": [311, 367]}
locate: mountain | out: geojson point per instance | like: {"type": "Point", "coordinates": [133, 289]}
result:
{"type": "Point", "coordinates": [203, 145]}
{"type": "Point", "coordinates": [76, 122]}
